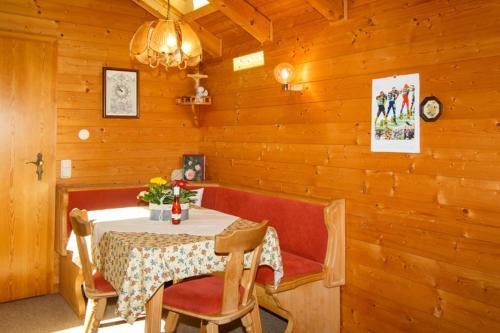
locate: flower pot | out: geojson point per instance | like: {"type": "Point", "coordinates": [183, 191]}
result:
{"type": "Point", "coordinates": [164, 212]}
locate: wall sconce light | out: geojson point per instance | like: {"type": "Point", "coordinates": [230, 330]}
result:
{"type": "Point", "coordinates": [284, 73]}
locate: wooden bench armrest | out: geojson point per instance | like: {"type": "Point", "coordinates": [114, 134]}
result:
{"type": "Point", "coordinates": [294, 283]}
{"type": "Point", "coordinates": [334, 265]}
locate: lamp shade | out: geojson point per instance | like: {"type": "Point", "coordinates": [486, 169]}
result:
{"type": "Point", "coordinates": [284, 73]}
{"type": "Point", "coordinates": [140, 40]}
{"type": "Point", "coordinates": [166, 42]}
{"type": "Point", "coordinates": [164, 37]}
{"type": "Point", "coordinates": [191, 45]}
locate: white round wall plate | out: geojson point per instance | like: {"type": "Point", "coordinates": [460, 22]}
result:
{"type": "Point", "coordinates": [84, 134]}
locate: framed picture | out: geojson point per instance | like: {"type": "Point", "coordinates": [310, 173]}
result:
{"type": "Point", "coordinates": [120, 97]}
{"type": "Point", "coordinates": [193, 167]}
{"type": "Point", "coordinates": [431, 108]}
{"type": "Point", "coordinates": [395, 114]}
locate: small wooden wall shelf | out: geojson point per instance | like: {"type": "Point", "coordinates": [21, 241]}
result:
{"type": "Point", "coordinates": [192, 100]}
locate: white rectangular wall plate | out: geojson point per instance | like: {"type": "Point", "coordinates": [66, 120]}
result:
{"type": "Point", "coordinates": [65, 168]}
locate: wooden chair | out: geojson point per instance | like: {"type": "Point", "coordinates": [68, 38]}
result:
{"type": "Point", "coordinates": [97, 289]}
{"type": "Point", "coordinates": [218, 300]}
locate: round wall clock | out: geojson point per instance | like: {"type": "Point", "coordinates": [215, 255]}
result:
{"type": "Point", "coordinates": [431, 108]}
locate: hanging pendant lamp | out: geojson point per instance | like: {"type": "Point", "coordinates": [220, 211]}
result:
{"type": "Point", "coordinates": [170, 43]}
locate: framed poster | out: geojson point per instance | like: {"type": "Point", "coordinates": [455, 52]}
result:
{"type": "Point", "coordinates": [120, 97]}
{"type": "Point", "coordinates": [193, 167]}
{"type": "Point", "coordinates": [395, 119]}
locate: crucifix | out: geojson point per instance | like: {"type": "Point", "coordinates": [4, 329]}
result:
{"type": "Point", "coordinates": [197, 77]}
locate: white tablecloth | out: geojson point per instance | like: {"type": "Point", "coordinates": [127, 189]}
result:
{"type": "Point", "coordinates": [201, 222]}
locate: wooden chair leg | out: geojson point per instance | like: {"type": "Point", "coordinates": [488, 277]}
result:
{"type": "Point", "coordinates": [94, 314]}
{"type": "Point", "coordinates": [255, 314]}
{"type": "Point", "coordinates": [248, 323]}
{"type": "Point", "coordinates": [99, 313]}
{"type": "Point", "coordinates": [212, 328]}
{"type": "Point", "coordinates": [89, 315]}
{"type": "Point", "coordinates": [171, 322]}
{"type": "Point", "coordinates": [203, 327]}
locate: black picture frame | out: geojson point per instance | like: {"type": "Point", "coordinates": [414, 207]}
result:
{"type": "Point", "coordinates": [120, 94]}
{"type": "Point", "coordinates": [428, 114]}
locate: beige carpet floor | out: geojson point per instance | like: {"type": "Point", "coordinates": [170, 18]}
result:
{"type": "Point", "coordinates": [51, 314]}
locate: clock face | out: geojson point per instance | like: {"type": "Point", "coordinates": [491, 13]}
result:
{"type": "Point", "coordinates": [431, 109]}
{"type": "Point", "coordinates": [121, 90]}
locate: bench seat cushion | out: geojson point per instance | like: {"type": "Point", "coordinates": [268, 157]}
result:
{"type": "Point", "coordinates": [293, 265]}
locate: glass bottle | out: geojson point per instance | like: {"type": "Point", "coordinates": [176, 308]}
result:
{"type": "Point", "coordinates": [176, 206]}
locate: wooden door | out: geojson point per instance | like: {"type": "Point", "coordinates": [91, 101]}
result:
{"type": "Point", "coordinates": [27, 127]}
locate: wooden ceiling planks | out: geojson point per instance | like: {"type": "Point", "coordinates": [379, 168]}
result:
{"type": "Point", "coordinates": [244, 21]}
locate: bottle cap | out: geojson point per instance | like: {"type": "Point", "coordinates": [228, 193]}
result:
{"type": "Point", "coordinates": [177, 190]}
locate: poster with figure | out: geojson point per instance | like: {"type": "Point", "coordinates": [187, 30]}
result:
{"type": "Point", "coordinates": [395, 114]}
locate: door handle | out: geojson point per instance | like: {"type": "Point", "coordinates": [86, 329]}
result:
{"type": "Point", "coordinates": [39, 165]}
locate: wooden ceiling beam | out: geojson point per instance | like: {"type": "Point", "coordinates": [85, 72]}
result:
{"type": "Point", "coordinates": [199, 13]}
{"type": "Point", "coordinates": [332, 10]}
{"type": "Point", "coordinates": [247, 17]}
{"type": "Point", "coordinates": [210, 43]}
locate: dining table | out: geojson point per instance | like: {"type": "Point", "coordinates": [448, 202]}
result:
{"type": "Point", "coordinates": [138, 255]}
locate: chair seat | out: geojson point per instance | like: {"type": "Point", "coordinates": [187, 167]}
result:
{"type": "Point", "coordinates": [101, 284]}
{"type": "Point", "coordinates": [293, 266]}
{"type": "Point", "coordinates": [201, 295]}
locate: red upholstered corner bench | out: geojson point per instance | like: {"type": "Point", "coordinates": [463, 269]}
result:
{"type": "Point", "coordinates": [312, 241]}
{"type": "Point", "coordinates": [311, 235]}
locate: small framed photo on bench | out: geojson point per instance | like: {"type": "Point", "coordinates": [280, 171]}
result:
{"type": "Point", "coordinates": [193, 167]}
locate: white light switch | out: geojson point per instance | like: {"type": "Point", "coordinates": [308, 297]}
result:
{"type": "Point", "coordinates": [65, 168]}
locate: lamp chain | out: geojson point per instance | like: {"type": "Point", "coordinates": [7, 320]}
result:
{"type": "Point", "coordinates": [168, 9]}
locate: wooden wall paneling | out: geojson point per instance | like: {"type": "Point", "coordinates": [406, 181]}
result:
{"type": "Point", "coordinates": [93, 34]}
{"type": "Point", "coordinates": [422, 229]}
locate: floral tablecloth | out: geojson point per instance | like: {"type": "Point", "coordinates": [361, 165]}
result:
{"type": "Point", "coordinates": [136, 264]}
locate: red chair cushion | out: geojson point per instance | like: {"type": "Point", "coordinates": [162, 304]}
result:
{"type": "Point", "coordinates": [101, 283]}
{"type": "Point", "coordinates": [199, 295]}
{"type": "Point", "coordinates": [293, 266]}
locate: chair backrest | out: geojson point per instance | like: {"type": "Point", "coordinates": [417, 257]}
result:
{"type": "Point", "coordinates": [82, 228]}
{"type": "Point", "coordinates": [236, 244]}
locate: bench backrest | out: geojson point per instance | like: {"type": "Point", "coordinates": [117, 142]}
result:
{"type": "Point", "coordinates": [103, 199]}
{"type": "Point", "coordinates": [300, 225]}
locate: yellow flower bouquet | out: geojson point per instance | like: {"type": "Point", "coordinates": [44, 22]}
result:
{"type": "Point", "coordinates": [160, 195]}
{"type": "Point", "coordinates": [161, 192]}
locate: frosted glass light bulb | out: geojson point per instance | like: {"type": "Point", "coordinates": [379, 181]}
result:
{"type": "Point", "coordinates": [285, 74]}
{"type": "Point", "coordinates": [171, 41]}
{"type": "Point", "coordinates": [186, 47]}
